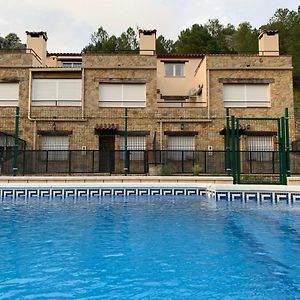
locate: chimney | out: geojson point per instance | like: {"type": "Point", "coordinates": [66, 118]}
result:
{"type": "Point", "coordinates": [268, 43]}
{"type": "Point", "coordinates": [147, 42]}
{"type": "Point", "coordinates": [37, 41]}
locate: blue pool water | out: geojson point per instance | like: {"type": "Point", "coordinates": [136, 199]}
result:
{"type": "Point", "coordinates": [148, 248]}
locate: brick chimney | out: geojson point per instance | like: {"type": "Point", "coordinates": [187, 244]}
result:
{"type": "Point", "coordinates": [147, 42]}
{"type": "Point", "coordinates": [268, 43]}
{"type": "Point", "coordinates": [37, 41]}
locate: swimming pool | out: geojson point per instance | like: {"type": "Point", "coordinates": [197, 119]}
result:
{"type": "Point", "coordinates": [148, 247]}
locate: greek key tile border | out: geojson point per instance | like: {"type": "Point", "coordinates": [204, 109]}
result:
{"type": "Point", "coordinates": [257, 196]}
{"type": "Point", "coordinates": [93, 192]}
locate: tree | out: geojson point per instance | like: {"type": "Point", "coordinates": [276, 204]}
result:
{"type": "Point", "coordinates": [293, 46]}
{"type": "Point", "coordinates": [222, 35]}
{"type": "Point", "coordinates": [128, 40]}
{"type": "Point", "coordinates": [283, 21]}
{"type": "Point", "coordinates": [245, 38]}
{"type": "Point", "coordinates": [196, 39]}
{"type": "Point", "coordinates": [101, 41]}
{"type": "Point", "coordinates": [11, 41]}
{"type": "Point", "coordinates": [287, 22]}
{"type": "Point", "coordinates": [164, 46]}
{"type": "Point", "coordinates": [100, 36]}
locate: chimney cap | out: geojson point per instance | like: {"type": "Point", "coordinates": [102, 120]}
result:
{"type": "Point", "coordinates": [38, 34]}
{"type": "Point", "coordinates": [147, 32]}
{"type": "Point", "coordinates": [267, 32]}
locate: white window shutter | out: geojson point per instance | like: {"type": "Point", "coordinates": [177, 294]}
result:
{"type": "Point", "coordinates": [122, 95]}
{"type": "Point", "coordinates": [234, 95]}
{"type": "Point", "coordinates": [63, 92]}
{"type": "Point", "coordinates": [9, 94]}
{"type": "Point", "coordinates": [134, 92]}
{"type": "Point", "coordinates": [69, 90]}
{"type": "Point", "coordinates": [257, 95]}
{"type": "Point", "coordinates": [246, 95]}
{"type": "Point", "coordinates": [43, 90]}
{"type": "Point", "coordinates": [110, 92]}
{"type": "Point", "coordinates": [110, 95]}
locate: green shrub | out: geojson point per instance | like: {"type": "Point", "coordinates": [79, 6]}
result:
{"type": "Point", "coordinates": [166, 171]}
{"type": "Point", "coordinates": [196, 169]}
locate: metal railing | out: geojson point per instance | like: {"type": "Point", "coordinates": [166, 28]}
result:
{"type": "Point", "coordinates": [154, 162]}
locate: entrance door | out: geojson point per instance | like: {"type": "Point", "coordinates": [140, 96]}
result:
{"type": "Point", "coordinates": [106, 153]}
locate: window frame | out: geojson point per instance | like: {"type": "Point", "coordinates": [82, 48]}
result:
{"type": "Point", "coordinates": [260, 153]}
{"type": "Point", "coordinates": [14, 94]}
{"type": "Point", "coordinates": [138, 148]}
{"type": "Point", "coordinates": [174, 65]}
{"type": "Point", "coordinates": [121, 102]}
{"type": "Point", "coordinates": [54, 153]}
{"type": "Point", "coordinates": [176, 153]}
{"type": "Point", "coordinates": [71, 64]}
{"type": "Point", "coordinates": [57, 91]}
{"type": "Point", "coordinates": [245, 101]}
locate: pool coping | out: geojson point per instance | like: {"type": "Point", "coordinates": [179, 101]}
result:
{"type": "Point", "coordinates": [117, 179]}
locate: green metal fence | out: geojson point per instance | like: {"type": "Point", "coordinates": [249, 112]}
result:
{"type": "Point", "coordinates": [278, 128]}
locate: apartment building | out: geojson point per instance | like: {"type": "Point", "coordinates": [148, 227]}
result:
{"type": "Point", "coordinates": [77, 101]}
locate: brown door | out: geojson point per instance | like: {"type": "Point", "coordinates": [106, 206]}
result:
{"type": "Point", "coordinates": [106, 153]}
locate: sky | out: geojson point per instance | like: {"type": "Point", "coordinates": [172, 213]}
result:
{"type": "Point", "coordinates": [70, 23]}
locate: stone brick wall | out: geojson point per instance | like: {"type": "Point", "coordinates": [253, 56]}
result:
{"type": "Point", "coordinates": [133, 61]}
{"type": "Point", "coordinates": [247, 61]}
{"type": "Point", "coordinates": [206, 121]}
{"type": "Point", "coordinates": [16, 59]}
{"type": "Point", "coordinates": [277, 69]}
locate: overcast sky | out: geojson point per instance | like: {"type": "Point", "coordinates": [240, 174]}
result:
{"type": "Point", "coordinates": [70, 23]}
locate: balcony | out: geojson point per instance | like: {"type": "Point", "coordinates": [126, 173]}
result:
{"type": "Point", "coordinates": [181, 101]}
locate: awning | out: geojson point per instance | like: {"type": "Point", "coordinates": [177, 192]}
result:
{"type": "Point", "coordinates": [106, 129]}
{"type": "Point", "coordinates": [241, 131]}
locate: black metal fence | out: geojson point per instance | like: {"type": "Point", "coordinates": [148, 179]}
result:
{"type": "Point", "coordinates": [150, 162]}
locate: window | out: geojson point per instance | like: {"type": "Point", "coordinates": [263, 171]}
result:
{"type": "Point", "coordinates": [122, 95]}
{"type": "Point", "coordinates": [56, 92]}
{"type": "Point", "coordinates": [9, 94]}
{"type": "Point", "coordinates": [55, 146]}
{"type": "Point", "coordinates": [246, 95]}
{"type": "Point", "coordinates": [261, 147]}
{"type": "Point", "coordinates": [174, 69]}
{"type": "Point", "coordinates": [71, 64]}
{"type": "Point", "coordinates": [136, 143]}
{"type": "Point", "coordinates": [177, 144]}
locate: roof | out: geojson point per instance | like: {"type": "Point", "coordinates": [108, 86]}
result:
{"type": "Point", "coordinates": [37, 34]}
{"type": "Point", "coordinates": [64, 54]}
{"type": "Point", "coordinates": [268, 32]}
{"type": "Point", "coordinates": [147, 32]}
{"type": "Point", "coordinates": [174, 55]}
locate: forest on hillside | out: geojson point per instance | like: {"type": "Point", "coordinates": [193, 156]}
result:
{"type": "Point", "coordinates": [211, 37]}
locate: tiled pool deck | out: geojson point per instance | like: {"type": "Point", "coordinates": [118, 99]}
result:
{"type": "Point", "coordinates": [219, 188]}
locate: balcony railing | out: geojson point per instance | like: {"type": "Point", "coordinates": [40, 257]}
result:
{"type": "Point", "coordinates": [181, 103]}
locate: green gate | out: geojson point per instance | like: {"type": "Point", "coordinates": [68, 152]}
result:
{"type": "Point", "coordinates": [247, 162]}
